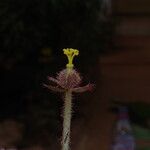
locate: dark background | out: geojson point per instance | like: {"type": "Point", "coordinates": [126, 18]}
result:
{"type": "Point", "coordinates": [33, 34]}
{"type": "Point", "coordinates": [113, 41]}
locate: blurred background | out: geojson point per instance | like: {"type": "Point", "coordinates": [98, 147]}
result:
{"type": "Point", "coordinates": [113, 38]}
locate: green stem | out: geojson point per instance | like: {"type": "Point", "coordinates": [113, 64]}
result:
{"type": "Point", "coordinates": [67, 120]}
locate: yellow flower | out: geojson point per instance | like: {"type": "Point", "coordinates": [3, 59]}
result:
{"type": "Point", "coordinates": [70, 53]}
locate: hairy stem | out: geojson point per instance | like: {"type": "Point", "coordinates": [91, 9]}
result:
{"type": "Point", "coordinates": [67, 120]}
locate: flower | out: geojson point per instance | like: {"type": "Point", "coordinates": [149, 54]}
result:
{"type": "Point", "coordinates": [70, 53]}
{"type": "Point", "coordinates": [65, 81]}
{"type": "Point", "coordinates": [69, 78]}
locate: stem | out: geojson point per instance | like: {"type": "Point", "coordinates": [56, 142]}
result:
{"type": "Point", "coordinates": [67, 120]}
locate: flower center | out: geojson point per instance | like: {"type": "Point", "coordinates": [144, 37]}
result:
{"type": "Point", "coordinates": [70, 53]}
